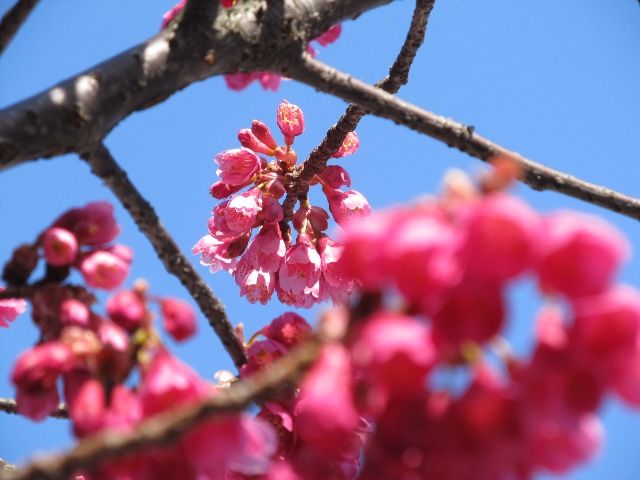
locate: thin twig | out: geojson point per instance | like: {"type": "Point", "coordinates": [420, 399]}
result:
{"type": "Point", "coordinates": [539, 177]}
{"type": "Point", "coordinates": [9, 405]}
{"type": "Point", "coordinates": [104, 166]}
{"type": "Point", "coordinates": [398, 76]}
{"type": "Point", "coordinates": [165, 429]}
{"type": "Point", "coordinates": [13, 20]}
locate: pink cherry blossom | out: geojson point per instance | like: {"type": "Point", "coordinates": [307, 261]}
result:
{"type": "Point", "coordinates": [220, 254]}
{"type": "Point", "coordinates": [267, 250]}
{"type": "Point", "coordinates": [35, 374]}
{"type": "Point", "coordinates": [237, 166]}
{"type": "Point", "coordinates": [299, 273]}
{"type": "Point", "coordinates": [10, 308]}
{"type": "Point", "coordinates": [581, 254]}
{"type": "Point", "coordinates": [325, 415]}
{"type": "Point", "coordinates": [289, 329]}
{"type": "Point", "coordinates": [105, 270]}
{"type": "Point", "coordinates": [395, 352]}
{"type": "Point", "coordinates": [261, 354]}
{"type": "Point", "coordinates": [249, 140]}
{"type": "Point", "coordinates": [349, 146]}
{"type": "Point", "coordinates": [345, 206]}
{"type": "Point", "coordinates": [290, 121]}
{"type": "Point", "coordinates": [330, 35]}
{"type": "Point", "coordinates": [60, 247]}
{"type": "Point", "coordinates": [503, 234]}
{"type": "Point", "coordinates": [92, 224]}
{"type": "Point", "coordinates": [242, 210]}
{"type": "Point", "coordinates": [178, 318]}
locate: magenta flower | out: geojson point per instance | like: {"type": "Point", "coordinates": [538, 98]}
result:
{"type": "Point", "coordinates": [345, 206]}
{"type": "Point", "coordinates": [349, 146]}
{"type": "Point", "coordinates": [178, 318]}
{"type": "Point", "coordinates": [35, 374]}
{"type": "Point", "coordinates": [75, 313]}
{"type": "Point", "coordinates": [290, 121]}
{"type": "Point", "coordinates": [92, 224]}
{"type": "Point", "coordinates": [299, 273]}
{"type": "Point", "coordinates": [289, 329]}
{"type": "Point", "coordinates": [581, 254]}
{"type": "Point", "coordinates": [237, 166]}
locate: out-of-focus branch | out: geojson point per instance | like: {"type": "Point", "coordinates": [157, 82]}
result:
{"type": "Point", "coordinates": [13, 20]}
{"type": "Point", "coordinates": [77, 113]}
{"type": "Point", "coordinates": [398, 76]}
{"type": "Point", "coordinates": [6, 467]}
{"type": "Point", "coordinates": [104, 166]}
{"type": "Point", "coordinates": [165, 429]}
{"type": "Point", "coordinates": [375, 101]}
{"type": "Point", "coordinates": [9, 405]}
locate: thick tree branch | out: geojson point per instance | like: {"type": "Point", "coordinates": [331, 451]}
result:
{"type": "Point", "coordinates": [377, 102]}
{"type": "Point", "coordinates": [9, 405]}
{"type": "Point", "coordinates": [104, 166]}
{"type": "Point", "coordinates": [198, 14]}
{"type": "Point", "coordinates": [165, 429]}
{"type": "Point", "coordinates": [81, 111]}
{"type": "Point", "coordinates": [13, 20]}
{"type": "Point", "coordinates": [398, 76]}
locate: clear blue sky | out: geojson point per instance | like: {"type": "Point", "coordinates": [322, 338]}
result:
{"type": "Point", "coordinates": [558, 81]}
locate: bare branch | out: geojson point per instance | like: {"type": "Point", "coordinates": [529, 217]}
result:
{"type": "Point", "coordinates": [198, 14]}
{"type": "Point", "coordinates": [104, 166]}
{"type": "Point", "coordinates": [167, 428]}
{"type": "Point", "coordinates": [398, 76]}
{"type": "Point", "coordinates": [454, 134]}
{"type": "Point", "coordinates": [6, 467]}
{"type": "Point", "coordinates": [82, 110]}
{"type": "Point", "coordinates": [9, 405]}
{"type": "Point", "coordinates": [13, 20]}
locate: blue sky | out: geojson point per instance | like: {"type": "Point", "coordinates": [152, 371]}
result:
{"type": "Point", "coordinates": [556, 81]}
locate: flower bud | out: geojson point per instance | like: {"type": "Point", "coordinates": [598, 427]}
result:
{"type": "Point", "coordinates": [290, 121]}
{"type": "Point", "coordinates": [60, 247]}
{"type": "Point", "coordinates": [179, 319]}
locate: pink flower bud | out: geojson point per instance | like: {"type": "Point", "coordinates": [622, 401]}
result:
{"type": "Point", "coordinates": [102, 269]}
{"type": "Point", "coordinates": [10, 308]}
{"type": "Point", "coordinates": [262, 133]}
{"type": "Point", "coordinates": [237, 166]}
{"type": "Point", "coordinates": [92, 224]}
{"type": "Point", "coordinates": [172, 13]}
{"type": "Point", "coordinates": [127, 309]}
{"type": "Point", "coordinates": [60, 247]}
{"type": "Point", "coordinates": [221, 190]}
{"type": "Point", "coordinates": [23, 262]}
{"type": "Point", "coordinates": [248, 140]}
{"type": "Point", "coordinates": [75, 313]}
{"type": "Point", "coordinates": [261, 354]}
{"type": "Point", "coordinates": [179, 319]}
{"type": "Point", "coordinates": [335, 176]}
{"type": "Point", "coordinates": [290, 121]}
{"type": "Point", "coordinates": [289, 329]}
{"type": "Point", "coordinates": [349, 146]}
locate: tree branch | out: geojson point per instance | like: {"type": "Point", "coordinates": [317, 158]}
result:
{"type": "Point", "coordinates": [104, 166]}
{"type": "Point", "coordinates": [166, 428]}
{"type": "Point", "coordinates": [13, 20]}
{"type": "Point", "coordinates": [398, 76]}
{"type": "Point", "coordinates": [6, 467]}
{"type": "Point", "coordinates": [454, 134]}
{"type": "Point", "coordinates": [81, 111]}
{"type": "Point", "coordinates": [9, 405]}
{"type": "Point", "coordinates": [198, 14]}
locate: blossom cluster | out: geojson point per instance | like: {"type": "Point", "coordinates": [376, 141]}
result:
{"type": "Point", "coordinates": [302, 272]}
{"type": "Point", "coordinates": [439, 272]}
{"type": "Point", "coordinates": [435, 276]}
{"type": "Point", "coordinates": [77, 343]}
{"type": "Point", "coordinates": [241, 80]}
